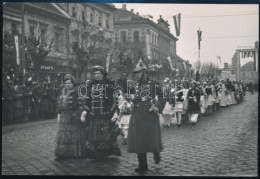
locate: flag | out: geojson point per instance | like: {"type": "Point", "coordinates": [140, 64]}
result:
{"type": "Point", "coordinates": [108, 62]}
{"type": "Point", "coordinates": [177, 23]}
{"type": "Point", "coordinates": [251, 54]}
{"type": "Point", "coordinates": [185, 67]}
{"type": "Point", "coordinates": [170, 62]}
{"type": "Point", "coordinates": [219, 59]}
{"type": "Point", "coordinates": [199, 37]}
{"type": "Point", "coordinates": [39, 32]}
{"type": "Point", "coordinates": [16, 41]}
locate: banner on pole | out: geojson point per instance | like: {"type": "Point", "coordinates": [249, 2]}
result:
{"type": "Point", "coordinates": [199, 37]}
{"type": "Point", "coordinates": [16, 42]}
{"type": "Point", "coordinates": [108, 62]}
{"type": "Point", "coordinates": [177, 22]}
{"type": "Point", "coordinates": [219, 59]}
{"type": "Point", "coordinates": [170, 62]}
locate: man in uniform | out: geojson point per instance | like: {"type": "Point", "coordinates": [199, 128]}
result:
{"type": "Point", "coordinates": [144, 129]}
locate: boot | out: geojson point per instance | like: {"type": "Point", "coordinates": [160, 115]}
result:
{"type": "Point", "coordinates": [142, 159]}
{"type": "Point", "coordinates": [156, 158]}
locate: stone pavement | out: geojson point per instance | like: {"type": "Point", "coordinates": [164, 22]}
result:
{"type": "Point", "coordinates": [223, 144]}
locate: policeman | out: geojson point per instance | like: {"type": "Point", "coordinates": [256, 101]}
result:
{"type": "Point", "coordinates": [144, 129]}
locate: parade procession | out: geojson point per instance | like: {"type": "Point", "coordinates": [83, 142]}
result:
{"type": "Point", "coordinates": [98, 89]}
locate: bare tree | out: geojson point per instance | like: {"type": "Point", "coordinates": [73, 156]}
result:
{"type": "Point", "coordinates": [208, 71]}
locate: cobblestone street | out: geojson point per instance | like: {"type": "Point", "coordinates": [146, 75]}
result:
{"type": "Point", "coordinates": [223, 144]}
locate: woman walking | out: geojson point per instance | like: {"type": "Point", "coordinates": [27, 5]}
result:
{"type": "Point", "coordinates": [68, 141]}
{"type": "Point", "coordinates": [194, 102]}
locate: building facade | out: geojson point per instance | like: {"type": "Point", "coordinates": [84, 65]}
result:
{"type": "Point", "coordinates": [142, 38]}
{"type": "Point", "coordinates": [92, 31]}
{"type": "Point", "coordinates": [249, 71]}
{"type": "Point", "coordinates": [44, 28]}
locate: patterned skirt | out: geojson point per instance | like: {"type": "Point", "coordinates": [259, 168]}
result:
{"type": "Point", "coordinates": [100, 139]}
{"type": "Point", "coordinates": [68, 140]}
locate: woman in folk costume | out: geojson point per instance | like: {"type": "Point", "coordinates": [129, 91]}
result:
{"type": "Point", "coordinates": [167, 113]}
{"type": "Point", "coordinates": [208, 91]}
{"type": "Point", "coordinates": [217, 95]}
{"type": "Point", "coordinates": [232, 89]}
{"type": "Point", "coordinates": [228, 88]}
{"type": "Point", "coordinates": [144, 133]}
{"type": "Point", "coordinates": [222, 91]}
{"type": "Point", "coordinates": [194, 102]}
{"type": "Point", "coordinates": [203, 99]}
{"type": "Point", "coordinates": [70, 107]}
{"type": "Point", "coordinates": [178, 109]}
{"type": "Point", "coordinates": [241, 91]}
{"type": "Point", "coordinates": [125, 107]}
{"type": "Point", "coordinates": [237, 96]}
{"type": "Point", "coordinates": [185, 102]}
{"type": "Point", "coordinates": [214, 96]}
{"type": "Point", "coordinates": [102, 130]}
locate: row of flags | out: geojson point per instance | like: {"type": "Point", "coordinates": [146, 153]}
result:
{"type": "Point", "coordinates": [246, 54]}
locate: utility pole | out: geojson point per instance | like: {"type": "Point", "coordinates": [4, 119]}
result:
{"type": "Point", "coordinates": [199, 52]}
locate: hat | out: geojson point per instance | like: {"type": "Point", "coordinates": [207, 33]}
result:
{"type": "Point", "coordinates": [71, 78]}
{"type": "Point", "coordinates": [98, 68]}
{"type": "Point", "coordinates": [140, 66]}
{"type": "Point", "coordinates": [193, 82]}
{"type": "Point", "coordinates": [166, 79]}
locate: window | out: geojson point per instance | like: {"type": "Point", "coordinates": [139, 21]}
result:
{"type": "Point", "coordinates": [14, 29]}
{"type": "Point", "coordinates": [152, 38]}
{"type": "Point", "coordinates": [107, 22]}
{"type": "Point", "coordinates": [43, 35]}
{"type": "Point", "coordinates": [73, 12]}
{"type": "Point", "coordinates": [99, 21]}
{"type": "Point", "coordinates": [155, 40]}
{"type": "Point", "coordinates": [136, 36]}
{"type": "Point", "coordinates": [31, 30]}
{"type": "Point", "coordinates": [91, 18]}
{"type": "Point", "coordinates": [123, 36]}
{"type": "Point", "coordinates": [59, 40]}
{"type": "Point", "coordinates": [83, 16]}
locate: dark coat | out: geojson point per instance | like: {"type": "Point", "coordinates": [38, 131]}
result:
{"type": "Point", "coordinates": [194, 106]}
{"type": "Point", "coordinates": [144, 129]}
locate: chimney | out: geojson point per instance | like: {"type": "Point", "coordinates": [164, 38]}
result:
{"type": "Point", "coordinates": [124, 6]}
{"type": "Point", "coordinates": [132, 10]}
{"type": "Point", "coordinates": [225, 65]}
{"type": "Point", "coordinates": [137, 13]}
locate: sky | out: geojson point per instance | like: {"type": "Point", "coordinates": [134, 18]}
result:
{"type": "Point", "coordinates": [225, 28]}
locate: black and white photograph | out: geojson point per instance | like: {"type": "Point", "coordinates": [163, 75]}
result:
{"type": "Point", "coordinates": [130, 89]}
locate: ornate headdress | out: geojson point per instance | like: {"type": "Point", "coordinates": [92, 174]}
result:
{"type": "Point", "coordinates": [140, 66]}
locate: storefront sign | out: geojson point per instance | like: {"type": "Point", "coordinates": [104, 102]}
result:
{"type": "Point", "coordinates": [46, 67]}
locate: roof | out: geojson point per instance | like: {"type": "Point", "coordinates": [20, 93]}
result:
{"type": "Point", "coordinates": [48, 8]}
{"type": "Point", "coordinates": [138, 19]}
{"type": "Point", "coordinates": [249, 66]}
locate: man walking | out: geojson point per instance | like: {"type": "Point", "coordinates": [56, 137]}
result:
{"type": "Point", "coordinates": [144, 129]}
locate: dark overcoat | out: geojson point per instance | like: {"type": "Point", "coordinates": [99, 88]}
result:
{"type": "Point", "coordinates": [144, 129]}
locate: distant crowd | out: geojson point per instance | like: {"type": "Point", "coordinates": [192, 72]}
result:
{"type": "Point", "coordinates": [38, 100]}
